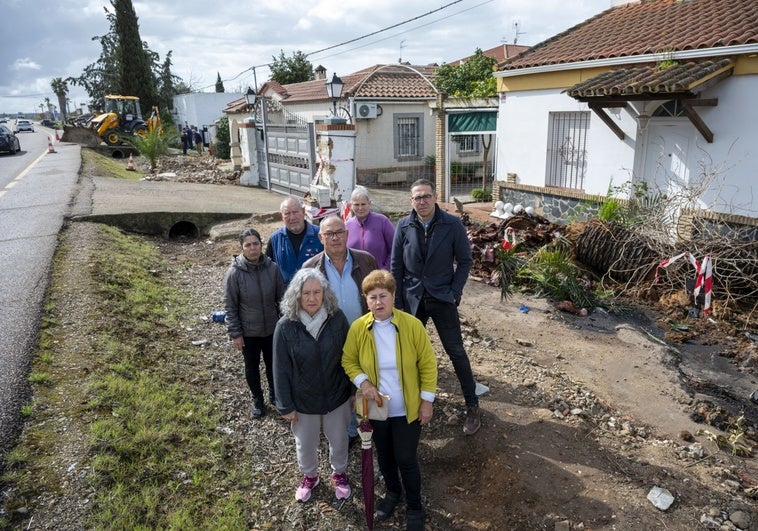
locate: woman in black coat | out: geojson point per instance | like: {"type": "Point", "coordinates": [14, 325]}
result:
{"type": "Point", "coordinates": [253, 288]}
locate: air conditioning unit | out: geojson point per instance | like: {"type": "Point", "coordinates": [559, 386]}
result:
{"type": "Point", "coordinates": [365, 111]}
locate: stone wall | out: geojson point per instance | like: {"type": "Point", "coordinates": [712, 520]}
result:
{"type": "Point", "coordinates": [557, 205]}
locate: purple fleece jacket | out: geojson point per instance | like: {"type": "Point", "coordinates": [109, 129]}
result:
{"type": "Point", "coordinates": [373, 235]}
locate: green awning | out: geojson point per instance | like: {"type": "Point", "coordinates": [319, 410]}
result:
{"type": "Point", "coordinates": [472, 122]}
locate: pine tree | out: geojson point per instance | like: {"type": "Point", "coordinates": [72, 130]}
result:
{"type": "Point", "coordinates": [295, 69]}
{"type": "Point", "coordinates": [167, 87]}
{"type": "Point", "coordinates": [219, 83]}
{"type": "Point", "coordinates": [135, 76]}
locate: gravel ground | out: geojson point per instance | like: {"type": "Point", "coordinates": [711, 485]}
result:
{"type": "Point", "coordinates": [554, 452]}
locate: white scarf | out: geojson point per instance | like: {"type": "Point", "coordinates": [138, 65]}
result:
{"type": "Point", "coordinates": [314, 324]}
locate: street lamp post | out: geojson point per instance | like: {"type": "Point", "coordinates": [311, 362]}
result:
{"type": "Point", "coordinates": [250, 97]}
{"type": "Point", "coordinates": [334, 91]}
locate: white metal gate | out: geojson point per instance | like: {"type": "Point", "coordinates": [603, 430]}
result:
{"type": "Point", "coordinates": [289, 158]}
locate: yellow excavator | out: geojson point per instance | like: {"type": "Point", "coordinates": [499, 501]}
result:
{"type": "Point", "coordinates": [122, 118]}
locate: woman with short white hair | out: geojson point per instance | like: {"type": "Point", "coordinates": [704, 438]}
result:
{"type": "Point", "coordinates": [369, 231]}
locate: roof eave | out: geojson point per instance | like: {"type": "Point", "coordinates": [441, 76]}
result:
{"type": "Point", "coordinates": [741, 49]}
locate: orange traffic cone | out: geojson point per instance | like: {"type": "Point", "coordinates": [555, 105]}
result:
{"type": "Point", "coordinates": [50, 148]}
{"type": "Point", "coordinates": [57, 138]}
{"type": "Point", "coordinates": [130, 164]}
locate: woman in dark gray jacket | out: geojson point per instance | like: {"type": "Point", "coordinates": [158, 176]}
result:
{"type": "Point", "coordinates": [312, 390]}
{"type": "Point", "coordinates": [253, 288]}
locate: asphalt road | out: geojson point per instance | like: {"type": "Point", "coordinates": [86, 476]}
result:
{"type": "Point", "coordinates": [36, 189]}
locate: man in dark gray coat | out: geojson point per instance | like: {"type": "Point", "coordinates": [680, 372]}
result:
{"type": "Point", "coordinates": [431, 260]}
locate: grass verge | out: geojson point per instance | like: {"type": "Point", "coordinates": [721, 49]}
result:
{"type": "Point", "coordinates": [114, 416]}
{"type": "Point", "coordinates": [108, 166]}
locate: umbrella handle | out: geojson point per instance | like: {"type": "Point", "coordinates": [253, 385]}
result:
{"type": "Point", "coordinates": [379, 403]}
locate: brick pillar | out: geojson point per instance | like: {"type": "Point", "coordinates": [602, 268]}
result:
{"type": "Point", "coordinates": [439, 148]}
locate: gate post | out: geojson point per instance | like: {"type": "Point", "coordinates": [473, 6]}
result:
{"type": "Point", "coordinates": [248, 139]}
{"type": "Point", "coordinates": [335, 153]}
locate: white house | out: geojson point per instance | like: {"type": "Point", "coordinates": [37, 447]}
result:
{"type": "Point", "coordinates": [660, 92]}
{"type": "Point", "coordinates": [201, 109]}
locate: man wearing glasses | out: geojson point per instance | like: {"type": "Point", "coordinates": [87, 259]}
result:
{"type": "Point", "coordinates": [294, 243]}
{"type": "Point", "coordinates": [345, 269]}
{"type": "Point", "coordinates": [431, 260]}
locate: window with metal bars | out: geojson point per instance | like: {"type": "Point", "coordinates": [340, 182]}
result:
{"type": "Point", "coordinates": [409, 136]}
{"type": "Point", "coordinates": [567, 149]}
{"type": "Point", "coordinates": [468, 144]}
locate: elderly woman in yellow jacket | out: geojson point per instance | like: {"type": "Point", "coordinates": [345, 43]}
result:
{"type": "Point", "coordinates": [388, 351]}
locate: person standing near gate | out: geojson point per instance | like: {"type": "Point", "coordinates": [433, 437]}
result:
{"type": "Point", "coordinates": [431, 260]}
{"type": "Point", "coordinates": [296, 242]}
{"type": "Point", "coordinates": [345, 269]}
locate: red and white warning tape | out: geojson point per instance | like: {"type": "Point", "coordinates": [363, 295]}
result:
{"type": "Point", "coordinates": [703, 272]}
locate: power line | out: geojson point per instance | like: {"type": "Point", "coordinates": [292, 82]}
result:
{"type": "Point", "coordinates": [252, 68]}
{"type": "Point", "coordinates": [406, 31]}
{"type": "Point", "coordinates": [385, 29]}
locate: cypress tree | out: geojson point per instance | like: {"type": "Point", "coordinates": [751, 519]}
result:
{"type": "Point", "coordinates": [135, 76]}
{"type": "Point", "coordinates": [219, 83]}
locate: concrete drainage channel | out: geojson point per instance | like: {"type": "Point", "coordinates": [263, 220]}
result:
{"type": "Point", "coordinates": [169, 225]}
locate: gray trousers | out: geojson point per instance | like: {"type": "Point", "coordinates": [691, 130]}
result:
{"type": "Point", "coordinates": [307, 432]}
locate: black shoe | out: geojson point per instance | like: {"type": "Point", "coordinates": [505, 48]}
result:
{"type": "Point", "coordinates": [415, 520]}
{"type": "Point", "coordinates": [258, 409]}
{"type": "Point", "coordinates": [386, 506]}
{"type": "Point", "coordinates": [473, 422]}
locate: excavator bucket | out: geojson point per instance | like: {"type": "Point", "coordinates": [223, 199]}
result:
{"type": "Point", "coordinates": [81, 135]}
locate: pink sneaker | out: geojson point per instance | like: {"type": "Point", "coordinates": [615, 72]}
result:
{"type": "Point", "coordinates": [303, 492]}
{"type": "Point", "coordinates": [341, 486]}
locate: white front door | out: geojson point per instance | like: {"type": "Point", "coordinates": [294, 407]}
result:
{"type": "Point", "coordinates": [666, 155]}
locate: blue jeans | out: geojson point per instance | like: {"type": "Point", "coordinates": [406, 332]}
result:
{"type": "Point", "coordinates": [448, 324]}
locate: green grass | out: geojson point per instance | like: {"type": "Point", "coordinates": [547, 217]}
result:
{"type": "Point", "coordinates": [154, 457]}
{"type": "Point", "coordinates": [108, 166]}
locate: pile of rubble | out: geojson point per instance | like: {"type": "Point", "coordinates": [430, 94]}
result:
{"type": "Point", "coordinates": [530, 231]}
{"type": "Point", "coordinates": [194, 168]}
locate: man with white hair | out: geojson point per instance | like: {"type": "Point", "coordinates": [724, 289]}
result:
{"type": "Point", "coordinates": [296, 242]}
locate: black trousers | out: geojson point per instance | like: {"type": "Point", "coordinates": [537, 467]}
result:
{"type": "Point", "coordinates": [252, 350]}
{"type": "Point", "coordinates": [397, 453]}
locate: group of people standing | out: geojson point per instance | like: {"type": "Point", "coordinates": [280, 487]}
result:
{"type": "Point", "coordinates": [191, 138]}
{"type": "Point", "coordinates": [343, 306]}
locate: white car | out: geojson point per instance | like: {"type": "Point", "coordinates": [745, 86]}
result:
{"type": "Point", "coordinates": [23, 125]}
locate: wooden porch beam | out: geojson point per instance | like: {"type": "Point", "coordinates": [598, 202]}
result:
{"type": "Point", "coordinates": [691, 113]}
{"type": "Point", "coordinates": [598, 109]}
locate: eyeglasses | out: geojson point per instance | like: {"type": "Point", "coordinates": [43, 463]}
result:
{"type": "Point", "coordinates": [420, 198]}
{"type": "Point", "coordinates": [333, 234]}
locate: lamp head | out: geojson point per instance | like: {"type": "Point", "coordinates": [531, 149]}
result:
{"type": "Point", "coordinates": [250, 97]}
{"type": "Point", "coordinates": [334, 87]}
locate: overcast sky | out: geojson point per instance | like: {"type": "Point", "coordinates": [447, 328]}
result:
{"type": "Point", "coordinates": [44, 39]}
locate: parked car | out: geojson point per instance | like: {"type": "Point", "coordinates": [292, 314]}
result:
{"type": "Point", "coordinates": [9, 141]}
{"type": "Point", "coordinates": [48, 123]}
{"type": "Point", "coordinates": [23, 125]}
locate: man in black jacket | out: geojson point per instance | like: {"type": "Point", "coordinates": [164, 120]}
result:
{"type": "Point", "coordinates": [431, 260]}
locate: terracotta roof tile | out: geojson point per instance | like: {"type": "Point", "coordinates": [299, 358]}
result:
{"type": "Point", "coordinates": [378, 81]}
{"type": "Point", "coordinates": [648, 27]}
{"type": "Point", "coordinates": [499, 53]}
{"type": "Point", "coordinates": [645, 79]}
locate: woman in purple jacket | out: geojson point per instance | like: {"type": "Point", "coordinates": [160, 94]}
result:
{"type": "Point", "coordinates": [369, 231]}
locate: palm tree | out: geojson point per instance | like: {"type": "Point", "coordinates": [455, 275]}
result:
{"type": "Point", "coordinates": [60, 87]}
